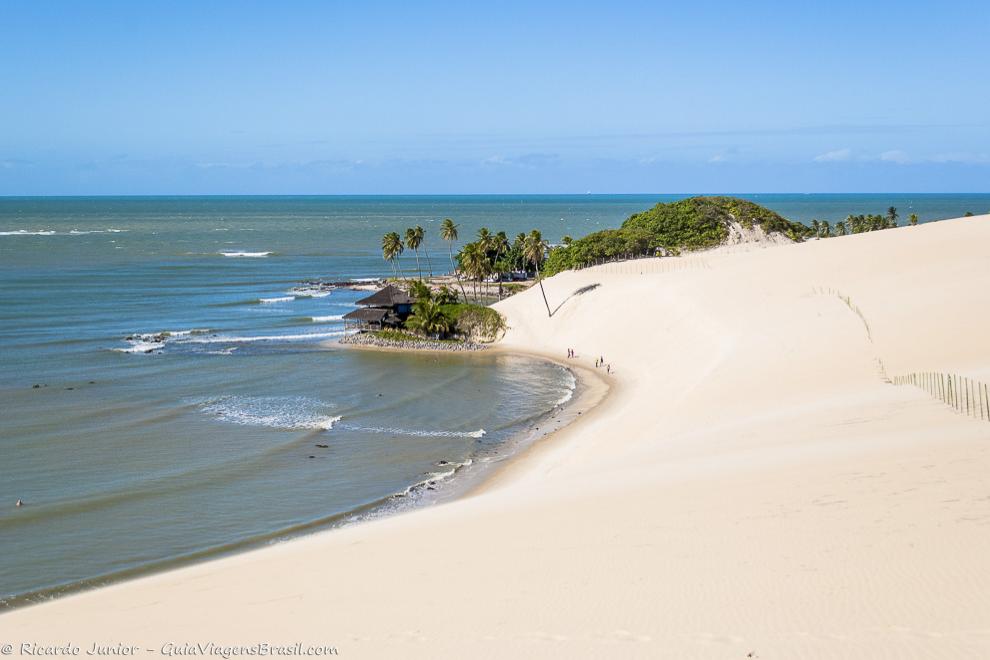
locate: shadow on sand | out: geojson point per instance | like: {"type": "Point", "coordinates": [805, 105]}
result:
{"type": "Point", "coordinates": [577, 292]}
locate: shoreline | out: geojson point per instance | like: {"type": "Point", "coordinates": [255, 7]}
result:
{"type": "Point", "coordinates": [455, 487]}
{"type": "Point", "coordinates": [593, 392]}
{"type": "Point", "coordinates": [750, 486]}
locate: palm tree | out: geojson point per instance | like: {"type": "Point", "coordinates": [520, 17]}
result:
{"type": "Point", "coordinates": [485, 241]}
{"type": "Point", "coordinates": [840, 228]}
{"type": "Point", "coordinates": [518, 260]}
{"type": "Point", "coordinates": [414, 238]}
{"type": "Point", "coordinates": [475, 263]}
{"type": "Point", "coordinates": [419, 291]}
{"type": "Point", "coordinates": [534, 247]}
{"type": "Point", "coordinates": [391, 249]}
{"type": "Point", "coordinates": [448, 232]}
{"type": "Point", "coordinates": [428, 318]}
{"type": "Point", "coordinates": [484, 238]}
{"type": "Point", "coordinates": [891, 217]}
{"type": "Point", "coordinates": [914, 219]}
{"type": "Point", "coordinates": [501, 245]}
{"type": "Point", "coordinates": [422, 242]}
{"type": "Point", "coordinates": [817, 228]}
{"type": "Point", "coordinates": [826, 229]}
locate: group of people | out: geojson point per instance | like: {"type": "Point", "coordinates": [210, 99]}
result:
{"type": "Point", "coordinates": [600, 362]}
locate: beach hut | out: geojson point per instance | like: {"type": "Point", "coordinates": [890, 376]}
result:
{"type": "Point", "coordinates": [388, 307]}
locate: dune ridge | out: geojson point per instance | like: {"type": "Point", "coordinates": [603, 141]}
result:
{"type": "Point", "coordinates": [753, 484]}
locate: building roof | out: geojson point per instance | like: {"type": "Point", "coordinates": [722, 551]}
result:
{"type": "Point", "coordinates": [367, 314]}
{"type": "Point", "coordinates": [387, 297]}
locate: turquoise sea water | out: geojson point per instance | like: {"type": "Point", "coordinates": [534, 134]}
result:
{"type": "Point", "coordinates": [128, 460]}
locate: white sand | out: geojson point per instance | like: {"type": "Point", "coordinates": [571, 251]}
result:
{"type": "Point", "coordinates": [751, 484]}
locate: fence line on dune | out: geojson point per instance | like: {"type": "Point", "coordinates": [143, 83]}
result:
{"type": "Point", "coordinates": [964, 395]}
{"type": "Point", "coordinates": [825, 291]}
{"type": "Point", "coordinates": [647, 265]}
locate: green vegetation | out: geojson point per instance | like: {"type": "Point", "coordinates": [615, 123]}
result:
{"type": "Point", "coordinates": [448, 232]}
{"type": "Point", "coordinates": [475, 321]}
{"type": "Point", "coordinates": [689, 224]}
{"type": "Point", "coordinates": [414, 238]}
{"type": "Point", "coordinates": [429, 319]}
{"type": "Point", "coordinates": [492, 255]}
{"type": "Point", "coordinates": [392, 247]}
{"type": "Point", "coordinates": [857, 224]}
{"type": "Point", "coordinates": [436, 315]}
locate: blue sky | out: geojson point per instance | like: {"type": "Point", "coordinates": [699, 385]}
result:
{"type": "Point", "coordinates": [403, 97]}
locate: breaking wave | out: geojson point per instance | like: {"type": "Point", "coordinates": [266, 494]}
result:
{"type": "Point", "coordinates": [288, 413]}
{"type": "Point", "coordinates": [52, 232]}
{"type": "Point", "coordinates": [225, 339]}
{"type": "Point", "coordinates": [480, 433]}
{"type": "Point", "coordinates": [255, 255]}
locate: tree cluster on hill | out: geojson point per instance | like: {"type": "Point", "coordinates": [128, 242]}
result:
{"type": "Point", "coordinates": [689, 224]}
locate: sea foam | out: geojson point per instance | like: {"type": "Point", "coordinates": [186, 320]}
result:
{"type": "Point", "coordinates": [254, 255]}
{"type": "Point", "coordinates": [480, 433]}
{"type": "Point", "coordinates": [287, 413]}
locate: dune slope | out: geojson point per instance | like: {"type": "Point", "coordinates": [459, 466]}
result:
{"type": "Point", "coordinates": [753, 484]}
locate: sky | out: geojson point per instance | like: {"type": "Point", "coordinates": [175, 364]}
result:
{"type": "Point", "coordinates": [508, 97]}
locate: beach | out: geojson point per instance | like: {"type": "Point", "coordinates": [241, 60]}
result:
{"type": "Point", "coordinates": [753, 483]}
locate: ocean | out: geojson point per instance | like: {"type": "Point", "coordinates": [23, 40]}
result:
{"type": "Point", "coordinates": [134, 451]}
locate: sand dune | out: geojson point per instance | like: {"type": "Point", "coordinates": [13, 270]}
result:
{"type": "Point", "coordinates": [752, 484]}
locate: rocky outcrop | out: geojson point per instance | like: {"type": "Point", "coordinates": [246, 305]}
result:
{"type": "Point", "coordinates": [368, 339]}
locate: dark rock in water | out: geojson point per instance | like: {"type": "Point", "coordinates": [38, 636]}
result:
{"type": "Point", "coordinates": [430, 488]}
{"type": "Point", "coordinates": [323, 446]}
{"type": "Point", "coordinates": [443, 462]}
{"type": "Point", "coordinates": [70, 388]}
{"type": "Point", "coordinates": [92, 382]}
{"type": "Point", "coordinates": [35, 386]}
{"type": "Point", "coordinates": [312, 456]}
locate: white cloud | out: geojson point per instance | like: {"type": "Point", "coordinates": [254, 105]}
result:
{"type": "Point", "coordinates": [835, 156]}
{"type": "Point", "coordinates": [895, 156]}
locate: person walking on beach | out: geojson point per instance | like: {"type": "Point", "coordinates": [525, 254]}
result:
{"type": "Point", "coordinates": [608, 368]}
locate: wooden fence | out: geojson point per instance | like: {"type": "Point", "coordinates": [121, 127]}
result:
{"type": "Point", "coordinates": [965, 395]}
{"type": "Point", "coordinates": [828, 291]}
